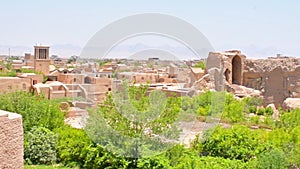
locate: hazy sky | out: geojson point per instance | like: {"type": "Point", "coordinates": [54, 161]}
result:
{"type": "Point", "coordinates": [258, 28]}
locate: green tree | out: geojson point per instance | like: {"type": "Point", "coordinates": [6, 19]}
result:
{"type": "Point", "coordinates": [135, 124]}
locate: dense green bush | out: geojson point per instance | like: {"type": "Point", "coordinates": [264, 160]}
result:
{"type": "Point", "coordinates": [95, 156]}
{"type": "Point", "coordinates": [233, 110]}
{"type": "Point", "coordinates": [39, 147]}
{"type": "Point", "coordinates": [71, 146]}
{"type": "Point", "coordinates": [35, 110]}
{"type": "Point", "coordinates": [238, 142]}
{"type": "Point", "coordinates": [272, 159]}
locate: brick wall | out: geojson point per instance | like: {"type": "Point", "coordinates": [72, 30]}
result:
{"type": "Point", "coordinates": [11, 141]}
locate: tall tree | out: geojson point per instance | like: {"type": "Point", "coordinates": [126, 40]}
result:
{"type": "Point", "coordinates": [135, 123]}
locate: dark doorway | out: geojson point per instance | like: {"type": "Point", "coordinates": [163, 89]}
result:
{"type": "Point", "coordinates": [87, 80]}
{"type": "Point", "coordinates": [227, 74]}
{"type": "Point", "coordinates": [237, 70]}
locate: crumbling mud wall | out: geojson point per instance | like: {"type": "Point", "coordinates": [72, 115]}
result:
{"type": "Point", "coordinates": [11, 141]}
{"type": "Point", "coordinates": [277, 78]}
{"type": "Point", "coordinates": [274, 79]}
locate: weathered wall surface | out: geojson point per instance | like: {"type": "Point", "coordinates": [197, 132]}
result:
{"type": "Point", "coordinates": [11, 141]}
{"type": "Point", "coordinates": [277, 78]}
{"type": "Point", "coordinates": [8, 84]}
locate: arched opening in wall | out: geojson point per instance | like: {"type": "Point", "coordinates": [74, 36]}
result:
{"type": "Point", "coordinates": [237, 70]}
{"type": "Point", "coordinates": [87, 80]}
{"type": "Point", "coordinates": [227, 74]}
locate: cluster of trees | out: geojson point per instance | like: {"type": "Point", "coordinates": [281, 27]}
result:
{"type": "Point", "coordinates": [48, 140]}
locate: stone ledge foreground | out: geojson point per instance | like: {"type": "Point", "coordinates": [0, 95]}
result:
{"type": "Point", "coordinates": [11, 140]}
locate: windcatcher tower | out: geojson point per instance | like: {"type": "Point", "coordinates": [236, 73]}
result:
{"type": "Point", "coordinates": [41, 59]}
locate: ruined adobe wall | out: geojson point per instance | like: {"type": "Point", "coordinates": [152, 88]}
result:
{"type": "Point", "coordinates": [11, 140]}
{"type": "Point", "coordinates": [277, 78]}
{"type": "Point", "coordinates": [8, 84]}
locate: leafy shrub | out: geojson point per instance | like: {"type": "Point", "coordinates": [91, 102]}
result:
{"type": "Point", "coordinates": [210, 163]}
{"type": "Point", "coordinates": [272, 159]}
{"type": "Point", "coordinates": [95, 156]}
{"type": "Point", "coordinates": [290, 119]}
{"type": "Point", "coordinates": [288, 141]}
{"type": "Point", "coordinates": [239, 143]}
{"type": "Point", "coordinates": [261, 111]}
{"type": "Point", "coordinates": [71, 146]}
{"type": "Point", "coordinates": [252, 109]}
{"type": "Point", "coordinates": [268, 111]}
{"type": "Point", "coordinates": [203, 111]}
{"type": "Point", "coordinates": [251, 104]}
{"type": "Point", "coordinates": [255, 119]}
{"type": "Point", "coordinates": [234, 110]}
{"type": "Point", "coordinates": [39, 147]}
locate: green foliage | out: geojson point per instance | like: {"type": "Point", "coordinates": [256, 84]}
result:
{"type": "Point", "coordinates": [95, 156]}
{"type": "Point", "coordinates": [39, 147]}
{"type": "Point", "coordinates": [236, 147]}
{"type": "Point", "coordinates": [156, 162]}
{"type": "Point", "coordinates": [288, 141]}
{"type": "Point", "coordinates": [71, 146]}
{"type": "Point", "coordinates": [251, 104]}
{"type": "Point", "coordinates": [200, 64]}
{"type": "Point", "coordinates": [268, 111]}
{"type": "Point", "coordinates": [261, 111]}
{"type": "Point", "coordinates": [210, 163]}
{"type": "Point", "coordinates": [35, 110]}
{"type": "Point", "coordinates": [290, 119]}
{"type": "Point", "coordinates": [127, 121]}
{"type": "Point", "coordinates": [8, 65]}
{"type": "Point", "coordinates": [255, 120]}
{"type": "Point", "coordinates": [252, 109]}
{"type": "Point", "coordinates": [239, 143]}
{"type": "Point", "coordinates": [272, 159]}
{"type": "Point", "coordinates": [10, 73]}
{"type": "Point", "coordinates": [103, 62]}
{"type": "Point", "coordinates": [234, 110]}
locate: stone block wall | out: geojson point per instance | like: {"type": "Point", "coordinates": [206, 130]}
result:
{"type": "Point", "coordinates": [11, 141]}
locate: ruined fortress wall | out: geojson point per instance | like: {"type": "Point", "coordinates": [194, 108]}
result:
{"type": "Point", "coordinates": [277, 78]}
{"type": "Point", "coordinates": [11, 140]}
